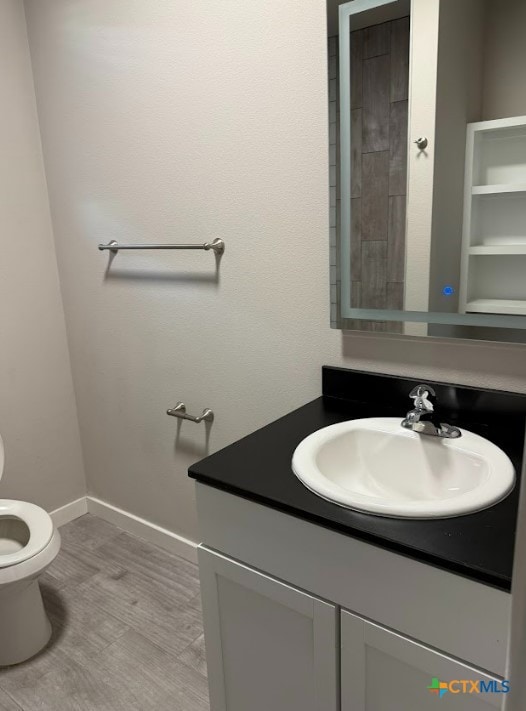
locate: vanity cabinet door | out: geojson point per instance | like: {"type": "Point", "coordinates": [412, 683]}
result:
{"type": "Point", "coordinates": [383, 671]}
{"type": "Point", "coordinates": [269, 646]}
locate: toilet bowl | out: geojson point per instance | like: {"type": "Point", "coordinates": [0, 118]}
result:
{"type": "Point", "coordinates": [29, 542]}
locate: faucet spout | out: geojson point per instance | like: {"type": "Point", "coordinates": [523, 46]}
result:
{"type": "Point", "coordinates": [423, 417]}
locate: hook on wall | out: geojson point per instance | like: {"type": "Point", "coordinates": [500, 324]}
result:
{"type": "Point", "coordinates": [421, 143]}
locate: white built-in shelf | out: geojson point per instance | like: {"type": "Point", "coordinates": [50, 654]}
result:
{"type": "Point", "coordinates": [496, 306]}
{"type": "Point", "coordinates": [493, 269]}
{"type": "Point", "coordinates": [494, 249]}
{"type": "Point", "coordinates": [498, 189]}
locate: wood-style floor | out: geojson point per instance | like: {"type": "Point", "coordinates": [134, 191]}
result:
{"type": "Point", "coordinates": [127, 628]}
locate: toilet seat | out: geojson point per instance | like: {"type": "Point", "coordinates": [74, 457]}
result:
{"type": "Point", "coordinates": [38, 522]}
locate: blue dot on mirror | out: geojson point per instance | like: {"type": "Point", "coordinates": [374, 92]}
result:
{"type": "Point", "coordinates": [448, 290]}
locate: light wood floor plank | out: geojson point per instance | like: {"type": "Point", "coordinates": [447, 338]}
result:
{"type": "Point", "coordinates": [142, 558]}
{"type": "Point", "coordinates": [30, 673]}
{"type": "Point", "coordinates": [194, 656]}
{"type": "Point", "coordinates": [146, 606]}
{"type": "Point", "coordinates": [87, 533]}
{"type": "Point", "coordinates": [75, 687]}
{"type": "Point", "coordinates": [69, 568]}
{"type": "Point", "coordinates": [162, 684]}
{"type": "Point", "coordinates": [196, 604]}
{"type": "Point", "coordinates": [83, 630]}
{"type": "Point", "coordinates": [7, 703]}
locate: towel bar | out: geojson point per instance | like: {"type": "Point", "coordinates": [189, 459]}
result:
{"type": "Point", "coordinates": [217, 245]}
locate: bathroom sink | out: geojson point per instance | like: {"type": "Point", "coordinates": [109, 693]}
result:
{"type": "Point", "coordinates": [376, 466]}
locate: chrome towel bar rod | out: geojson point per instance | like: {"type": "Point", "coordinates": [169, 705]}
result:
{"type": "Point", "coordinates": [180, 411]}
{"type": "Point", "coordinates": [217, 245]}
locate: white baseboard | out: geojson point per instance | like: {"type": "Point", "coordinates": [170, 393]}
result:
{"type": "Point", "coordinates": [162, 537]}
{"type": "Point", "coordinates": [69, 512]}
{"type": "Point", "coordinates": [151, 532]}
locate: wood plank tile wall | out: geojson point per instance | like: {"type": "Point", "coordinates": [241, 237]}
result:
{"type": "Point", "coordinates": [379, 116]}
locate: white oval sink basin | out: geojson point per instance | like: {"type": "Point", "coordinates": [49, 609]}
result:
{"type": "Point", "coordinates": [377, 466]}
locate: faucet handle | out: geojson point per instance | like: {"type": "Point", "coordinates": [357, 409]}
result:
{"type": "Point", "coordinates": [422, 394]}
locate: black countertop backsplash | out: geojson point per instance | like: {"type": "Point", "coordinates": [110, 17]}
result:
{"type": "Point", "coordinates": [479, 545]}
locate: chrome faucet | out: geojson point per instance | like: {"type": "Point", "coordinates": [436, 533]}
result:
{"type": "Point", "coordinates": [423, 418]}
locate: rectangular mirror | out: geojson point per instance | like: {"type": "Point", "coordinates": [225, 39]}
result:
{"type": "Point", "coordinates": [427, 114]}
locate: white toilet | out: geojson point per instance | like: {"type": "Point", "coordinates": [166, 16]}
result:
{"type": "Point", "coordinates": [29, 542]}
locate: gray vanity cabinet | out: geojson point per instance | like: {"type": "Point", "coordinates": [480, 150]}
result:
{"type": "Point", "coordinates": [272, 646]}
{"type": "Point", "coordinates": [269, 645]}
{"type": "Point", "coordinates": [384, 671]}
{"type": "Point", "coordinates": [280, 635]}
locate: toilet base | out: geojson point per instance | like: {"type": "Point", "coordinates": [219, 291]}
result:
{"type": "Point", "coordinates": [24, 625]}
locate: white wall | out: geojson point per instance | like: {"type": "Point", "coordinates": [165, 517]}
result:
{"type": "Point", "coordinates": [180, 120]}
{"type": "Point", "coordinates": [505, 60]}
{"type": "Point", "coordinates": [38, 420]}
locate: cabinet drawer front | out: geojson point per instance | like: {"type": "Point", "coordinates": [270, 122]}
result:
{"type": "Point", "coordinates": [383, 671]}
{"type": "Point", "coordinates": [269, 645]}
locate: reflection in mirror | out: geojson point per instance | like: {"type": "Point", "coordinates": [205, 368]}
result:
{"type": "Point", "coordinates": [427, 112]}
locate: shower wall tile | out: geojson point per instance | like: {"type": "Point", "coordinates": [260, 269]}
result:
{"type": "Point", "coordinates": [398, 148]}
{"type": "Point", "coordinates": [376, 103]}
{"type": "Point", "coordinates": [396, 239]}
{"type": "Point", "coordinates": [356, 69]}
{"type": "Point", "coordinates": [395, 295]}
{"type": "Point", "coordinates": [400, 59]}
{"type": "Point", "coordinates": [376, 40]}
{"type": "Point", "coordinates": [375, 195]}
{"type": "Point", "coordinates": [374, 275]}
{"type": "Point", "coordinates": [356, 153]}
{"type": "Point", "coordinates": [356, 241]}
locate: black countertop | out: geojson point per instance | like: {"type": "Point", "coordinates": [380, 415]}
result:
{"type": "Point", "coordinates": [479, 546]}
